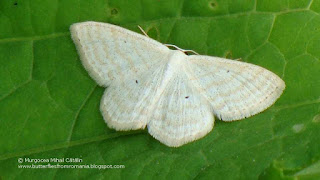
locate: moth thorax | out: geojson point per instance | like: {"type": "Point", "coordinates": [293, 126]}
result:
{"type": "Point", "coordinates": [176, 59]}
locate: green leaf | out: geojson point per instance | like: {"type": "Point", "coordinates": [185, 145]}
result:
{"type": "Point", "coordinates": [49, 106]}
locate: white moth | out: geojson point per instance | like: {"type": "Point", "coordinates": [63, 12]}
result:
{"type": "Point", "coordinates": [175, 95]}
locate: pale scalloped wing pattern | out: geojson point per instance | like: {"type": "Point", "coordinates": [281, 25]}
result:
{"type": "Point", "coordinates": [181, 115]}
{"type": "Point", "coordinates": [111, 53]}
{"type": "Point", "coordinates": [128, 104]}
{"type": "Point", "coordinates": [235, 89]}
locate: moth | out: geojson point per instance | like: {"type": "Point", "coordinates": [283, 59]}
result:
{"type": "Point", "coordinates": [176, 96]}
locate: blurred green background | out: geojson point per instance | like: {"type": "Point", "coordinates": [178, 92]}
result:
{"type": "Point", "coordinates": [49, 106]}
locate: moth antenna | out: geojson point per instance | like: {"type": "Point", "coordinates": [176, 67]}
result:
{"type": "Point", "coordinates": [169, 45]}
{"type": "Point", "coordinates": [143, 31]}
{"type": "Point", "coordinates": [183, 50]}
